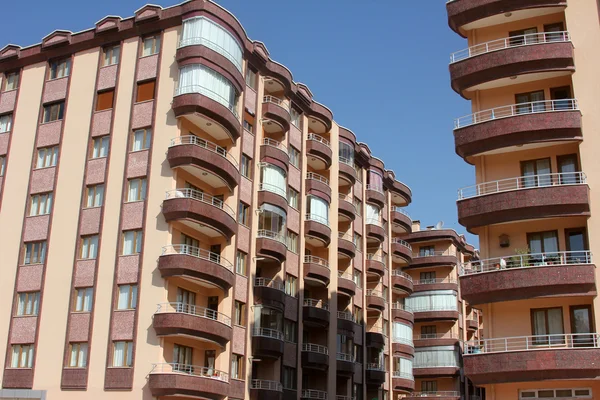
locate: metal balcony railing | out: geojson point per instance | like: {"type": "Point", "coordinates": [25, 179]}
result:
{"type": "Point", "coordinates": [313, 394]}
{"type": "Point", "coordinates": [533, 343]}
{"type": "Point", "coordinates": [434, 281]}
{"type": "Point", "coordinates": [268, 333]}
{"type": "Point", "coordinates": [402, 243]}
{"type": "Point", "coordinates": [316, 260]}
{"type": "Point", "coordinates": [317, 218]}
{"type": "Point", "coordinates": [397, 272]}
{"type": "Point", "coordinates": [196, 252]}
{"type": "Point", "coordinates": [191, 309]}
{"type": "Point", "coordinates": [344, 357]}
{"type": "Point", "coordinates": [446, 393]}
{"type": "Point", "coordinates": [205, 144]}
{"type": "Point", "coordinates": [264, 233]}
{"type": "Point", "coordinates": [186, 369]}
{"type": "Point", "coordinates": [194, 194]}
{"type": "Point", "coordinates": [262, 384]}
{"type": "Point", "coordinates": [317, 138]}
{"type": "Point", "coordinates": [279, 102]}
{"type": "Point", "coordinates": [403, 375]}
{"type": "Point", "coordinates": [274, 143]}
{"type": "Point", "coordinates": [375, 188]}
{"type": "Point", "coordinates": [316, 303]}
{"type": "Point", "coordinates": [315, 348]}
{"type": "Point", "coordinates": [270, 283]}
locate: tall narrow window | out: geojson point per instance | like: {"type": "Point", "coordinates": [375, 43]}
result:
{"type": "Point", "coordinates": [105, 100]}
{"type": "Point", "coordinates": [272, 179]}
{"type": "Point", "coordinates": [237, 365]}
{"type": "Point", "coordinates": [41, 204]}
{"type": "Point", "coordinates": [89, 247]}
{"type": "Point", "coordinates": [296, 117]}
{"type": "Point", "coordinates": [2, 165]}
{"type": "Point", "coordinates": [293, 197]}
{"type": "Point", "coordinates": [240, 262]}
{"type": "Point", "coordinates": [183, 358]}
{"type": "Point", "coordinates": [11, 81]}
{"type": "Point", "coordinates": [244, 214]}
{"type": "Point", "coordinates": [145, 91]}
{"type": "Point", "coordinates": [294, 156]}
{"type": "Point", "coordinates": [122, 354]}
{"type": "Point", "coordinates": [290, 378]}
{"type": "Point", "coordinates": [240, 309]}
{"type": "Point", "coordinates": [5, 123]}
{"type": "Point", "coordinates": [127, 297]}
{"type": "Point", "coordinates": [530, 102]}
{"type": "Point", "coordinates": [290, 331]}
{"type": "Point", "coordinates": [318, 210]}
{"type": "Point", "coordinates": [83, 298]}
{"type": "Point", "coordinates": [35, 253]}
{"type": "Point", "coordinates": [151, 45]}
{"type": "Point", "coordinates": [111, 55]}
{"type": "Point", "coordinates": [542, 242]}
{"type": "Point", "coordinates": [100, 146]}
{"type": "Point", "coordinates": [536, 172]}
{"type": "Point", "coordinates": [251, 80]}
{"type": "Point", "coordinates": [132, 242]}
{"type": "Point", "coordinates": [141, 139]}
{"type": "Point", "coordinates": [22, 356]}
{"type": "Point", "coordinates": [246, 166]}
{"type": "Point", "coordinates": [425, 251]}
{"type": "Point", "coordinates": [94, 196]}
{"type": "Point", "coordinates": [292, 241]}
{"type": "Point", "coordinates": [60, 68]}
{"type": "Point", "coordinates": [54, 112]}
{"type": "Point", "coordinates": [291, 285]}
{"type": "Point", "coordinates": [547, 325]}
{"type": "Point", "coordinates": [28, 303]}
{"type": "Point", "coordinates": [47, 157]}
{"type": "Point", "coordinates": [136, 190]}
{"type": "Point", "coordinates": [78, 355]}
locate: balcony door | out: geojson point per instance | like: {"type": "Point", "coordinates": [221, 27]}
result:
{"type": "Point", "coordinates": [536, 173]}
{"type": "Point", "coordinates": [581, 322]}
{"type": "Point", "coordinates": [530, 102]}
{"type": "Point", "coordinates": [523, 36]}
{"type": "Point", "coordinates": [554, 32]}
{"type": "Point", "coordinates": [543, 247]}
{"type": "Point", "coordinates": [577, 245]}
{"type": "Point", "coordinates": [186, 301]}
{"type": "Point", "coordinates": [547, 326]}
{"type": "Point", "coordinates": [568, 167]}
{"type": "Point", "coordinates": [183, 357]}
{"type": "Point", "coordinates": [562, 98]}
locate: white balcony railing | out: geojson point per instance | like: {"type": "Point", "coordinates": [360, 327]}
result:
{"type": "Point", "coordinates": [316, 303]}
{"type": "Point", "coordinates": [532, 343]}
{"type": "Point", "coordinates": [270, 283]}
{"type": "Point", "coordinates": [268, 333]}
{"type": "Point", "coordinates": [266, 385]}
{"type": "Point", "coordinates": [186, 369]}
{"type": "Point", "coordinates": [430, 336]}
{"type": "Point", "coordinates": [277, 101]}
{"type": "Point", "coordinates": [274, 143]}
{"type": "Point", "coordinates": [559, 258]}
{"type": "Point", "coordinates": [397, 272]}
{"type": "Point", "coordinates": [211, 94]}
{"type": "Point", "coordinates": [315, 348]}
{"type": "Point", "coordinates": [510, 42]}
{"type": "Point", "coordinates": [401, 211]}
{"type": "Point", "coordinates": [345, 275]}
{"type": "Point", "coordinates": [198, 253]}
{"type": "Point", "coordinates": [317, 177]}
{"type": "Point", "coordinates": [522, 182]}
{"type": "Point", "coordinates": [434, 281]}
{"type": "Point", "coordinates": [374, 293]}
{"type": "Point", "coordinates": [376, 257]}
{"type": "Point", "coordinates": [317, 218]}
{"type": "Point", "coordinates": [403, 243]}
{"type": "Point", "coordinates": [374, 367]}
{"type": "Point", "coordinates": [400, 306]}
{"type": "Point", "coordinates": [346, 236]}
{"type": "Point", "coordinates": [436, 253]}
{"type": "Point", "coordinates": [313, 394]}
{"type": "Point", "coordinates": [205, 144]}
{"type": "Point", "coordinates": [316, 260]}
{"type": "Point", "coordinates": [403, 375]}
{"type": "Point", "coordinates": [344, 357]}
{"type": "Point", "coordinates": [346, 315]}
{"type": "Point", "coordinates": [515, 110]}
{"type": "Point", "coordinates": [264, 233]}
{"type": "Point", "coordinates": [375, 188]}
{"type": "Point", "coordinates": [186, 193]}
{"type": "Point", "coordinates": [446, 393]}
{"type": "Point", "coordinates": [317, 138]}
{"type": "Point", "coordinates": [191, 309]}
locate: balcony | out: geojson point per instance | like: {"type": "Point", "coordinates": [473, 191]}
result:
{"type": "Point", "coordinates": [401, 313]}
{"type": "Point", "coordinates": [436, 339]}
{"type": "Point", "coordinates": [512, 60]}
{"type": "Point", "coordinates": [435, 313]}
{"type": "Point", "coordinates": [346, 208]}
{"type": "Point", "coordinates": [313, 394]}
{"type": "Point", "coordinates": [375, 338]}
{"type": "Point", "coordinates": [180, 319]}
{"type": "Point", "coordinates": [435, 367]}
{"type": "Point", "coordinates": [346, 246]}
{"type": "Point", "coordinates": [524, 198]}
{"type": "Point", "coordinates": [345, 321]}
{"type": "Point", "coordinates": [532, 358]}
{"type": "Point", "coordinates": [375, 374]}
{"type": "Point", "coordinates": [375, 229]}
{"type": "Point", "coordinates": [317, 269]}
{"type": "Point", "coordinates": [401, 221]}
{"type": "Point", "coordinates": [345, 364]}
{"type": "Point", "coordinates": [270, 292]}
{"type": "Point", "coordinates": [375, 300]}
{"type": "Point", "coordinates": [172, 379]}
{"type": "Point", "coordinates": [205, 160]}
{"type": "Point", "coordinates": [402, 281]}
{"type": "Point", "coordinates": [271, 244]}
{"type": "Point", "coordinates": [465, 15]}
{"type": "Point", "coordinates": [347, 170]}
{"type": "Point", "coordinates": [472, 320]}
{"type": "Point", "coordinates": [346, 284]}
{"type": "Point", "coordinates": [315, 312]}
{"type": "Point", "coordinates": [318, 230]}
{"type": "Point", "coordinates": [375, 194]}
{"type": "Point", "coordinates": [315, 356]}
{"type": "Point", "coordinates": [403, 381]}
{"type": "Point", "coordinates": [436, 284]}
{"type": "Point", "coordinates": [401, 195]}
{"type": "Point", "coordinates": [441, 395]}
{"type": "Point", "coordinates": [525, 276]}
{"type": "Point", "coordinates": [500, 129]}
{"type": "Point", "coordinates": [318, 185]}
{"type": "Point", "coordinates": [401, 250]}
{"type": "Point", "coordinates": [276, 115]}
{"type": "Point", "coordinates": [318, 149]}
{"type": "Point", "coordinates": [402, 345]}
{"type": "Point", "coordinates": [181, 260]}
{"type": "Point", "coordinates": [265, 390]}
{"type": "Point", "coordinates": [267, 343]}
{"type": "Point", "coordinates": [274, 152]}
{"type": "Point", "coordinates": [200, 211]}
{"type": "Point", "coordinates": [428, 259]}
{"type": "Point", "coordinates": [375, 264]}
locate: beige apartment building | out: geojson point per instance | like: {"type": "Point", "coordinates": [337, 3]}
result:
{"type": "Point", "coordinates": [531, 74]}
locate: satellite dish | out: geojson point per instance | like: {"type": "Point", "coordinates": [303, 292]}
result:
{"type": "Point", "coordinates": [439, 225]}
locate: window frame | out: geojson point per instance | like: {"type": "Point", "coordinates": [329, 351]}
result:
{"type": "Point", "coordinates": [241, 257]}
{"type": "Point", "coordinates": [29, 348]}
{"type": "Point", "coordinates": [146, 141]}
{"type": "Point", "coordinates": [127, 353]}
{"type": "Point", "coordinates": [63, 68]}
{"type": "Point", "coordinates": [83, 291]}
{"type": "Point", "coordinates": [38, 249]}
{"type": "Point", "coordinates": [138, 241]}
{"type": "Point", "coordinates": [32, 297]}
{"type": "Point", "coordinates": [244, 214]}
{"type": "Point", "coordinates": [88, 189]}
{"type": "Point", "coordinates": [110, 50]}
{"type": "Point", "coordinates": [87, 241]}
{"type": "Point", "coordinates": [291, 285]}
{"type": "Point", "coordinates": [78, 347]}
{"type": "Point", "coordinates": [7, 76]}
{"type": "Point", "coordinates": [49, 110]}
{"type": "Point", "coordinates": [237, 373]}
{"type": "Point", "coordinates": [246, 166]}
{"type": "Point", "coordinates": [47, 204]}
{"type": "Point", "coordinates": [142, 85]}
{"type": "Point", "coordinates": [532, 312]}
{"type": "Point", "coordinates": [156, 45]}
{"type": "Point", "coordinates": [50, 157]}
{"type": "Point", "coordinates": [294, 156]}
{"type": "Point", "coordinates": [142, 190]}
{"type": "Point", "coordinates": [2, 165]}
{"type": "Point", "coordinates": [292, 198]}
{"type": "Point", "coordinates": [239, 315]}
{"type": "Point", "coordinates": [9, 124]}
{"type": "Point", "coordinates": [132, 297]}
{"type": "Point", "coordinates": [100, 96]}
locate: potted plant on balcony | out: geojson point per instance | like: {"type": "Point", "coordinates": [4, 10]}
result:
{"type": "Point", "coordinates": [521, 259]}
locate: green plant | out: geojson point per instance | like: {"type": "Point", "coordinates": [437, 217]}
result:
{"type": "Point", "coordinates": [522, 254]}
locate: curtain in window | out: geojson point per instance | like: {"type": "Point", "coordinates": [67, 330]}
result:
{"type": "Point", "coordinates": [273, 179]}
{"type": "Point", "coordinates": [436, 358]}
{"type": "Point", "coordinates": [273, 219]}
{"type": "Point", "coordinates": [375, 180]}
{"type": "Point", "coordinates": [346, 153]}
{"type": "Point", "coordinates": [119, 354]}
{"type": "Point", "coordinates": [197, 78]}
{"type": "Point", "coordinates": [373, 213]}
{"type": "Point", "coordinates": [433, 301]}
{"type": "Point", "coordinates": [14, 361]}
{"type": "Point", "coordinates": [79, 355]}
{"type": "Point", "coordinates": [403, 365]}
{"type": "Point", "coordinates": [84, 299]}
{"type": "Point", "coordinates": [96, 196]}
{"type": "Point", "coordinates": [318, 210]}
{"type": "Point", "coordinates": [137, 189]}
{"type": "Point", "coordinates": [402, 333]}
{"type": "Point", "coordinates": [141, 139]}
{"type": "Point", "coordinates": [5, 123]}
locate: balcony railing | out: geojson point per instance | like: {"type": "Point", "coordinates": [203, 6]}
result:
{"type": "Point", "coordinates": [375, 329]}
{"type": "Point", "coordinates": [345, 275]}
{"type": "Point", "coordinates": [430, 336]}
{"type": "Point", "coordinates": [446, 393]}
{"type": "Point", "coordinates": [313, 394]}
{"type": "Point", "coordinates": [317, 218]}
{"type": "Point", "coordinates": [317, 177]}
{"type": "Point", "coordinates": [276, 101]}
{"type": "Point", "coordinates": [375, 367]}
{"type": "Point", "coordinates": [316, 303]}
{"type": "Point", "coordinates": [431, 307]}
{"type": "Point", "coordinates": [376, 257]}
{"type": "Point", "coordinates": [315, 348]}
{"type": "Point", "coordinates": [403, 340]}
{"type": "Point", "coordinates": [274, 143]}
{"type": "Point", "coordinates": [270, 283]}
{"type": "Point", "coordinates": [185, 193]}
{"type": "Point", "coordinates": [346, 236]}
{"type": "Point", "coordinates": [403, 375]}
{"type": "Point", "coordinates": [400, 306]}
{"type": "Point", "coordinates": [375, 221]}
{"type": "Point", "coordinates": [433, 281]}
{"type": "Point", "coordinates": [266, 385]}
{"type": "Point", "coordinates": [268, 333]}
{"type": "Point", "coordinates": [211, 44]}
{"type": "Point", "coordinates": [401, 211]}
{"type": "Point", "coordinates": [375, 188]}
{"type": "Point", "coordinates": [516, 109]}
{"type": "Point", "coordinates": [523, 182]}
{"type": "Point", "coordinates": [537, 342]}
{"type": "Point", "coordinates": [509, 42]}
{"type": "Point", "coordinates": [196, 252]}
{"type": "Point", "coordinates": [397, 272]}
{"type": "Point", "coordinates": [344, 357]}
{"type": "Point", "coordinates": [346, 315]}
{"type": "Point", "coordinates": [339, 397]}
{"type": "Point", "coordinates": [208, 93]}
{"type": "Point", "coordinates": [316, 260]}
{"type": "Point", "coordinates": [205, 144]}
{"type": "Point", "coordinates": [347, 161]}
{"type": "Point", "coordinates": [375, 293]}
{"type": "Point", "coordinates": [402, 243]}
{"type": "Point", "coordinates": [191, 309]}
{"type": "Point", "coordinates": [560, 258]}
{"type": "Point", "coordinates": [438, 253]}
{"type": "Point", "coordinates": [317, 138]}
{"type": "Point", "coordinates": [186, 369]}
{"type": "Point", "coordinates": [264, 233]}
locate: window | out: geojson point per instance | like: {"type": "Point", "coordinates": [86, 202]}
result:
{"type": "Point", "coordinates": [136, 189]}
{"type": "Point", "coordinates": [246, 166]}
{"type": "Point", "coordinates": [290, 331]}
{"type": "Point", "coordinates": [346, 153]}
{"type": "Point", "coordinates": [427, 277]}
{"type": "Point", "coordinates": [105, 100]}
{"type": "Point", "coordinates": [436, 300]}
{"type": "Point", "coordinates": [79, 353]}
{"type": "Point", "coordinates": [290, 285]}
{"type": "Point", "coordinates": [5, 123]}
{"type": "Point", "coordinates": [94, 196]}
{"type": "Point", "coordinates": [28, 303]}
{"type": "Point", "coordinates": [22, 356]}
{"type": "Point", "coordinates": [272, 219]}
{"type": "Point", "coordinates": [357, 241]}
{"type": "Point", "coordinates": [373, 215]}
{"type": "Point", "coordinates": [251, 78]}
{"type": "Point", "coordinates": [248, 126]}
{"type": "Point", "coordinates": [294, 156]}
{"type": "Point", "coordinates": [35, 253]}
{"type": "Point", "coordinates": [555, 393]}
{"type": "Point", "coordinates": [358, 205]}
{"type": "Point", "coordinates": [54, 112]}
{"type": "Point", "coordinates": [237, 366]}
{"type": "Point", "coordinates": [530, 102]}
{"type": "Point", "coordinates": [536, 172]}
{"type": "Point", "coordinates": [425, 251]}
{"type": "Point", "coordinates": [132, 242]}
{"type": "Point", "coordinates": [60, 68]}
{"type": "Point", "coordinates": [402, 333]}
{"type": "Point", "coordinates": [122, 354]}
{"type": "Point", "coordinates": [145, 91]}
{"type": "Point", "coordinates": [358, 353]}
{"type": "Point", "coordinates": [244, 214]}
{"type": "Point", "coordinates": [292, 244]}
{"type": "Point", "coordinates": [111, 55]}
{"type": "Point", "coordinates": [290, 377]}
{"type": "Point", "coordinates": [240, 310]}
{"type": "Point", "coordinates": [296, 117]}
{"type": "Point", "coordinates": [100, 146]}
{"type": "Point", "coordinates": [523, 36]}
{"type": "Point", "coordinates": [151, 45]}
{"type": "Point", "coordinates": [432, 357]}
{"type": "Point", "coordinates": [196, 78]}
{"type": "Point", "coordinates": [11, 81]}
{"type": "Point", "coordinates": [83, 299]}
{"type": "Point", "coordinates": [318, 210]}
{"type": "Point", "coordinates": [127, 297]}
{"type": "Point", "coordinates": [141, 139]}
{"type": "Point", "coordinates": [357, 314]}
{"type": "Point", "coordinates": [272, 179]}
{"type": "Point", "coordinates": [357, 277]}
{"type": "Point", "coordinates": [293, 197]}
{"type": "Point", "coordinates": [428, 331]}
{"type": "Point", "coordinates": [89, 247]}
{"type": "Point", "coordinates": [2, 165]}
{"type": "Point", "coordinates": [375, 181]}
{"type": "Point", "coordinates": [47, 157]}
{"type": "Point", "coordinates": [542, 242]}
{"type": "Point", "coordinates": [241, 259]}
{"type": "Point", "coordinates": [547, 321]}
{"type": "Point", "coordinates": [41, 204]}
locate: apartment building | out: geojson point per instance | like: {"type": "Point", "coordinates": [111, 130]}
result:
{"type": "Point", "coordinates": [530, 72]}
{"type": "Point", "coordinates": [175, 223]}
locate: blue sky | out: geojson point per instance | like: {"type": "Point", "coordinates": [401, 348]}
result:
{"type": "Point", "coordinates": [381, 66]}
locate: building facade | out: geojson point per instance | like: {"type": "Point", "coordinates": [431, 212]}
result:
{"type": "Point", "coordinates": [530, 72]}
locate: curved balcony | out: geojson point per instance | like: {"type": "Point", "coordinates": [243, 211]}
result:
{"type": "Point", "coordinates": [375, 338]}
{"type": "Point", "coordinates": [464, 15]}
{"type": "Point", "coordinates": [345, 322]}
{"type": "Point", "coordinates": [401, 221]}
{"type": "Point", "coordinates": [271, 244]}
{"type": "Point", "coordinates": [439, 395]}
{"type": "Point", "coordinates": [436, 284]}
{"type": "Point", "coordinates": [267, 343]}
{"type": "Point", "coordinates": [318, 185]}
{"type": "Point", "coordinates": [402, 281]}
{"type": "Point", "coordinates": [439, 313]}
{"type": "Point", "coordinates": [346, 246]}
{"type": "Point", "coordinates": [181, 260]}
{"type": "Point", "coordinates": [532, 358]}
{"type": "Point", "coordinates": [375, 264]}
{"type": "Point", "coordinates": [375, 374]}
{"type": "Point", "coordinates": [401, 195]}
{"type": "Point", "coordinates": [491, 64]}
{"type": "Point", "coordinates": [315, 312]}
{"type": "Point", "coordinates": [346, 208]}
{"type": "Point", "coordinates": [207, 109]}
{"type": "Point", "coordinates": [173, 379]}
{"type": "Point", "coordinates": [436, 339]}
{"type": "Point", "coordinates": [317, 269]}
{"type": "Point", "coordinates": [175, 319]}
{"type": "Point", "coordinates": [525, 276]}
{"type": "Point", "coordinates": [401, 345]}
{"type": "Point", "coordinates": [271, 194]}
{"type": "Point", "coordinates": [207, 161]}
{"type": "Point", "coordinates": [433, 259]}
{"type": "Point", "coordinates": [346, 284]}
{"type": "Point", "coordinates": [317, 227]}
{"type": "Point", "coordinates": [524, 198]}
{"type": "Point", "coordinates": [402, 250]}
{"type": "Point", "coordinates": [403, 382]}
{"type": "Point", "coordinates": [265, 390]}
{"type": "Point", "coordinates": [318, 150]}
{"type": "Point", "coordinates": [193, 207]}
{"type": "Point", "coordinates": [274, 152]}
{"type": "Point", "coordinates": [375, 194]}
{"type": "Point", "coordinates": [502, 128]}
{"type": "Point", "coordinates": [345, 364]}
{"type": "Point", "coordinates": [313, 394]}
{"type": "Point", "coordinates": [315, 356]}
{"type": "Point", "coordinates": [375, 229]}
{"type": "Point", "coordinates": [375, 300]}
{"type": "Point", "coordinates": [276, 115]}
{"type": "Point", "coordinates": [401, 314]}
{"type": "Point", "coordinates": [347, 170]}
{"type": "Point", "coordinates": [270, 292]}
